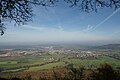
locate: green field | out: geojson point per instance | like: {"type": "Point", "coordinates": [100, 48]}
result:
{"type": "Point", "coordinates": [44, 62]}
{"type": "Point", "coordinates": [47, 66]}
{"type": "Point", "coordinates": [95, 62]}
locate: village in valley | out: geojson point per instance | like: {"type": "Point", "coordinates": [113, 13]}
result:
{"type": "Point", "coordinates": [49, 57]}
{"type": "Point", "coordinates": [50, 50]}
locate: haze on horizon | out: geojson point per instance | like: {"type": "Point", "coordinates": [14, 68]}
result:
{"type": "Point", "coordinates": [62, 24]}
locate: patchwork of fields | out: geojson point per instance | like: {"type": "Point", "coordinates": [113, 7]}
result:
{"type": "Point", "coordinates": [50, 61]}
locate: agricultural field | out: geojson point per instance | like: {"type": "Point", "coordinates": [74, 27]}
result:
{"type": "Point", "coordinates": [22, 60]}
{"type": "Point", "coordinates": [94, 63]}
{"type": "Point", "coordinates": [15, 64]}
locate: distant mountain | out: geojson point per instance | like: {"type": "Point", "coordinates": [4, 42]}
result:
{"type": "Point", "coordinates": [110, 46]}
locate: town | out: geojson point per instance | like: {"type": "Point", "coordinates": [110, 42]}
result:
{"type": "Point", "coordinates": [51, 50]}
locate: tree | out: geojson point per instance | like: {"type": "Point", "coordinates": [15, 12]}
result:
{"type": "Point", "coordinates": [77, 73]}
{"type": "Point", "coordinates": [20, 11]}
{"type": "Point", "coordinates": [105, 72]}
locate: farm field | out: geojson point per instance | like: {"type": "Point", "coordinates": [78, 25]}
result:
{"type": "Point", "coordinates": [50, 64]}
{"type": "Point", "coordinates": [46, 62]}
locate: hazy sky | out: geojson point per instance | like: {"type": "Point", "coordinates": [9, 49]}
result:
{"type": "Point", "coordinates": [64, 24]}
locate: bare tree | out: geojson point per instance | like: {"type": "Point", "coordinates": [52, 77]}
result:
{"type": "Point", "coordinates": [93, 5]}
{"type": "Point", "coordinates": [20, 11]}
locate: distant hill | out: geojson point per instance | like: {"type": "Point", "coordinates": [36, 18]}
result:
{"type": "Point", "coordinates": [110, 46]}
{"type": "Point", "coordinates": [13, 47]}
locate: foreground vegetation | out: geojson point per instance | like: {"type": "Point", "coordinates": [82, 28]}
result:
{"type": "Point", "coordinates": [104, 72]}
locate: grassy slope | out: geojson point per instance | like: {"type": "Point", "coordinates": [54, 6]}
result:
{"type": "Point", "coordinates": [95, 62]}
{"type": "Point", "coordinates": [47, 66]}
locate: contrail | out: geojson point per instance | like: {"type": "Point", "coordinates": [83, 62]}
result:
{"type": "Point", "coordinates": [89, 28]}
{"type": "Point", "coordinates": [60, 27]}
{"type": "Point", "coordinates": [58, 20]}
{"type": "Point", "coordinates": [102, 22]}
{"type": "Point", "coordinates": [34, 28]}
{"type": "Point", "coordinates": [41, 28]}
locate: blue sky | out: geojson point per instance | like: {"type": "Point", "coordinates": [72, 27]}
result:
{"type": "Point", "coordinates": [66, 25]}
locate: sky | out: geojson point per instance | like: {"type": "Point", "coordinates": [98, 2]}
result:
{"type": "Point", "coordinates": [62, 24]}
